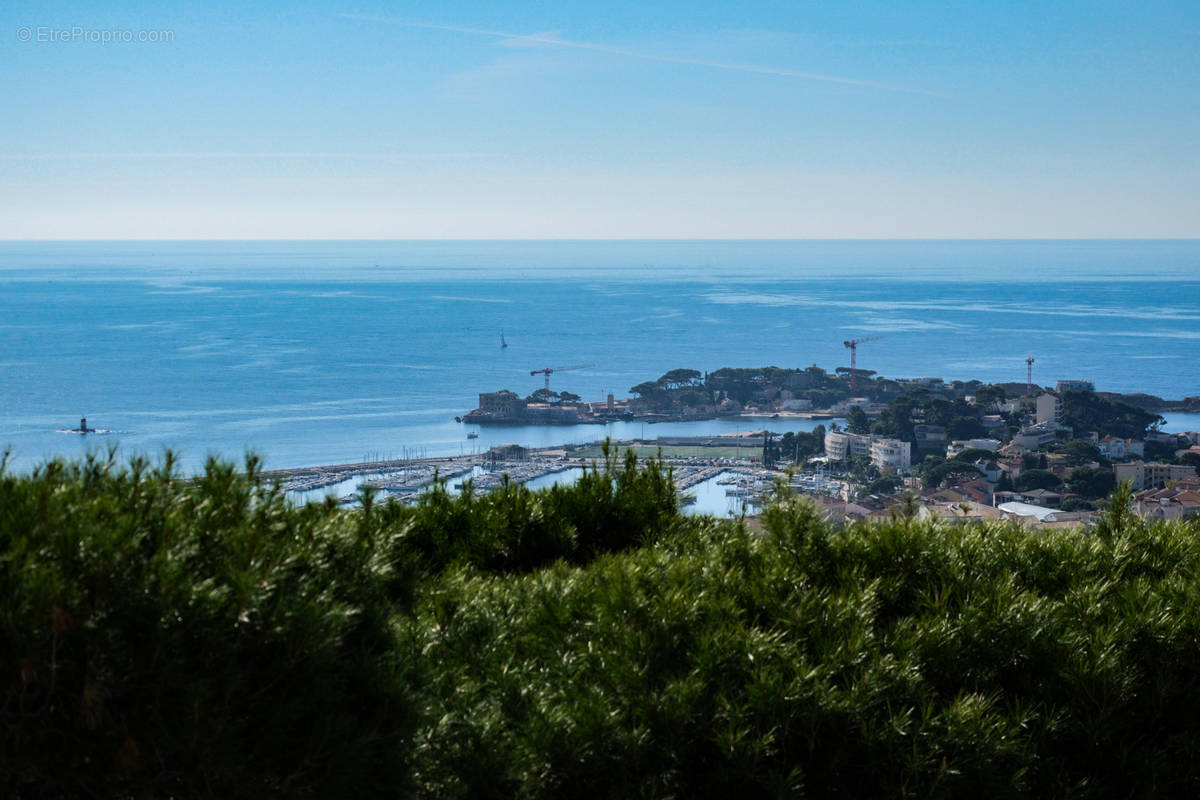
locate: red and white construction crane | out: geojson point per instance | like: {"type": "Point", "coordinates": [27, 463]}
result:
{"type": "Point", "coordinates": [853, 345]}
{"type": "Point", "coordinates": [546, 371]}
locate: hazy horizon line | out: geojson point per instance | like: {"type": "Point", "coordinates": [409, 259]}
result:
{"type": "Point", "coordinates": [1116, 238]}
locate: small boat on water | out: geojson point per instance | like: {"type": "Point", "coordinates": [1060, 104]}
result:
{"type": "Point", "coordinates": [473, 435]}
{"type": "Point", "coordinates": [83, 429]}
{"type": "Point", "coordinates": [503, 344]}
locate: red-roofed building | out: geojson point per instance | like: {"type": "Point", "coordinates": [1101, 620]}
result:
{"type": "Point", "coordinates": [1173, 503]}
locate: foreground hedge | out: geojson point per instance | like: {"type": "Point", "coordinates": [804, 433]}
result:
{"type": "Point", "coordinates": [899, 659]}
{"type": "Point", "coordinates": [206, 639]}
{"type": "Point", "coordinates": [192, 640]}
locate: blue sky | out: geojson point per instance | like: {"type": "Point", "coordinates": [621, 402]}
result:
{"type": "Point", "coordinates": [572, 119]}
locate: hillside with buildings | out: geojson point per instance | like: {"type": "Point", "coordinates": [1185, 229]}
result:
{"type": "Point", "coordinates": [683, 394]}
{"type": "Point", "coordinates": [1050, 454]}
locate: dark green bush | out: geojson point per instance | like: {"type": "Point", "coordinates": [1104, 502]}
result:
{"type": "Point", "coordinates": [510, 529]}
{"type": "Point", "coordinates": [615, 504]}
{"type": "Point", "coordinates": [207, 638]}
{"type": "Point", "coordinates": [903, 659]}
{"type": "Point", "coordinates": [204, 639]}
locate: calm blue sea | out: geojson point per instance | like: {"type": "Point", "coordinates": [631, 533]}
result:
{"type": "Point", "coordinates": [323, 352]}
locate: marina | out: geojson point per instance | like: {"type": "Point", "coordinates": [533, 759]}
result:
{"type": "Point", "coordinates": [719, 486]}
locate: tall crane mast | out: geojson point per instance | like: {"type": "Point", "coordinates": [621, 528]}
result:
{"type": "Point", "coordinates": [853, 345]}
{"type": "Point", "coordinates": [547, 370]}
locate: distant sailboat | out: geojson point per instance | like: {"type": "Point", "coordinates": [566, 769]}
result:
{"type": "Point", "coordinates": [503, 344]}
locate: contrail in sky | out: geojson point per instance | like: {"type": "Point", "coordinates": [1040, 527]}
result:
{"type": "Point", "coordinates": [548, 39]}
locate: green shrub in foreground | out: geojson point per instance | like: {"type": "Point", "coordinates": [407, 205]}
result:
{"type": "Point", "coordinates": [901, 659]}
{"type": "Point", "coordinates": [616, 504]}
{"type": "Point", "coordinates": [207, 639]}
{"type": "Point", "coordinates": [169, 639]}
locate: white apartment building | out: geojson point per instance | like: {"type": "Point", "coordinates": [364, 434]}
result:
{"type": "Point", "coordinates": [1049, 409]}
{"type": "Point", "coordinates": [839, 445]}
{"type": "Point", "coordinates": [890, 453]}
{"type": "Point", "coordinates": [884, 453]}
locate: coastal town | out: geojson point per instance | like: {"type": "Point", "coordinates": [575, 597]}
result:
{"type": "Point", "coordinates": [961, 451]}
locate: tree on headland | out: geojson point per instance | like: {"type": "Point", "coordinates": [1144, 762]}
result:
{"type": "Point", "coordinates": [823, 398]}
{"type": "Point", "coordinates": [653, 395]}
{"type": "Point", "coordinates": [1088, 411]}
{"type": "Point", "coordinates": [679, 378]}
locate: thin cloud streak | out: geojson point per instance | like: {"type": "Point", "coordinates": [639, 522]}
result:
{"type": "Point", "coordinates": [248, 155]}
{"type": "Point", "coordinates": [541, 38]}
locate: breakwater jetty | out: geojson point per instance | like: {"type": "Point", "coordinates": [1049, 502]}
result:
{"type": "Point", "coordinates": [300, 479]}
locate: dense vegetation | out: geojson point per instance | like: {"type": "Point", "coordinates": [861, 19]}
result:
{"type": "Point", "coordinates": [1089, 411]}
{"type": "Point", "coordinates": [203, 638]}
{"type": "Point", "coordinates": [796, 447]}
{"type": "Point", "coordinates": [688, 387]}
{"type": "Point", "coordinates": [935, 470]}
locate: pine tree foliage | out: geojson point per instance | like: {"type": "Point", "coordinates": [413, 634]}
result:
{"type": "Point", "coordinates": [206, 638]}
